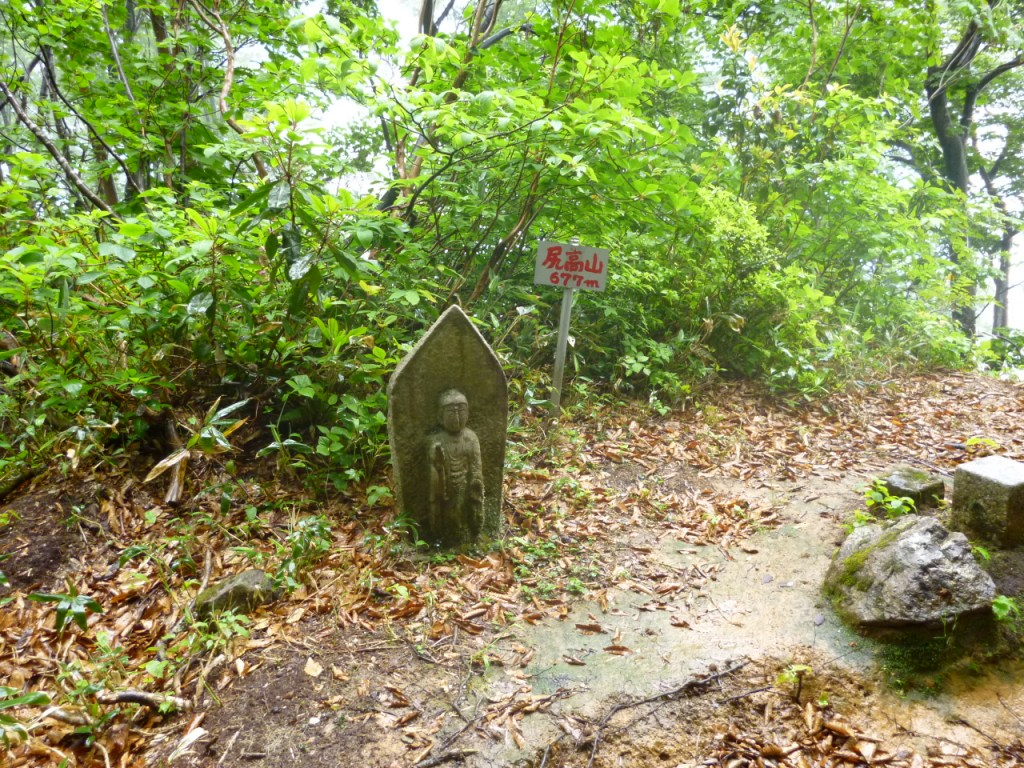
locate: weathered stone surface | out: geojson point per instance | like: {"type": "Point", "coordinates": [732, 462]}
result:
{"type": "Point", "coordinates": [988, 500]}
{"type": "Point", "coordinates": [447, 423]}
{"type": "Point", "coordinates": [906, 572]}
{"type": "Point", "coordinates": [924, 488]}
{"type": "Point", "coordinates": [241, 593]}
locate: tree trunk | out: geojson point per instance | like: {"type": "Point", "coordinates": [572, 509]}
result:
{"type": "Point", "coordinates": [1002, 281]}
{"type": "Point", "coordinates": [953, 141]}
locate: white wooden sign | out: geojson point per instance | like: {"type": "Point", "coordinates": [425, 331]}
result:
{"type": "Point", "coordinates": [571, 266]}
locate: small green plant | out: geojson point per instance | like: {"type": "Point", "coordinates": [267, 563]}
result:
{"type": "Point", "coordinates": [976, 444]}
{"type": "Point", "coordinates": [794, 675]}
{"type": "Point", "coordinates": [878, 499]}
{"type": "Point", "coordinates": [80, 688]}
{"type": "Point", "coordinates": [70, 607]}
{"type": "Point", "coordinates": [1006, 609]}
{"type": "Point", "coordinates": [575, 586]}
{"type": "Point", "coordinates": [980, 553]}
{"type": "Point", "coordinates": [290, 452]}
{"type": "Point", "coordinates": [918, 664]}
{"type": "Point", "coordinates": [11, 729]}
{"type": "Point", "coordinates": [209, 636]}
{"type": "Point", "coordinates": [306, 545]}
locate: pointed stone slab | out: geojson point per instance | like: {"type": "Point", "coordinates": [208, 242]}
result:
{"type": "Point", "coordinates": [451, 355]}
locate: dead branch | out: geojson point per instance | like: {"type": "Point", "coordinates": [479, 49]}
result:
{"type": "Point", "coordinates": [62, 715]}
{"type": "Point", "coordinates": [447, 757]}
{"type": "Point", "coordinates": [151, 700]}
{"type": "Point", "coordinates": [745, 694]}
{"type": "Point", "coordinates": [204, 675]}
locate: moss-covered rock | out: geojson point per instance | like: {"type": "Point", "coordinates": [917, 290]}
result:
{"type": "Point", "coordinates": [241, 593]}
{"type": "Point", "coordinates": [904, 573]}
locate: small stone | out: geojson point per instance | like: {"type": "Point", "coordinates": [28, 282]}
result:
{"type": "Point", "coordinates": [241, 593]}
{"type": "Point", "coordinates": [988, 500]}
{"type": "Point", "coordinates": [923, 488]}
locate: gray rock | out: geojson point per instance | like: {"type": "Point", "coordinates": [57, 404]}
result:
{"type": "Point", "coordinates": [904, 573]}
{"type": "Point", "coordinates": [988, 500]}
{"type": "Point", "coordinates": [241, 593]}
{"type": "Point", "coordinates": [447, 423]}
{"type": "Point", "coordinates": [924, 488]}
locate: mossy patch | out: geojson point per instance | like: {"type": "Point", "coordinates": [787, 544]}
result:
{"type": "Point", "coordinates": [853, 564]}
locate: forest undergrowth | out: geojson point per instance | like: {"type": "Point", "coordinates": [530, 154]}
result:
{"type": "Point", "coordinates": [105, 664]}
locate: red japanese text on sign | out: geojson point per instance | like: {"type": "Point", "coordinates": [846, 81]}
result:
{"type": "Point", "coordinates": [571, 266]}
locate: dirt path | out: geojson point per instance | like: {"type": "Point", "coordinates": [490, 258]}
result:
{"type": "Point", "coordinates": [763, 607]}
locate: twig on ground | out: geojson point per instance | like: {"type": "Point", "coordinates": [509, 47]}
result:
{"type": "Point", "coordinates": [976, 729]}
{"type": "Point", "coordinates": [714, 605]}
{"type": "Point", "coordinates": [106, 754]}
{"type": "Point", "coordinates": [447, 757]}
{"type": "Point", "coordinates": [1007, 708]}
{"type": "Point", "coordinates": [146, 699]}
{"type": "Point", "coordinates": [211, 665]}
{"type": "Point", "coordinates": [745, 695]}
{"type": "Point", "coordinates": [62, 715]}
{"type": "Point", "coordinates": [231, 743]}
{"type": "Point", "coordinates": [685, 688]}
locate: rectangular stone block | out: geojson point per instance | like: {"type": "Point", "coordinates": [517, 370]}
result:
{"type": "Point", "coordinates": [988, 500]}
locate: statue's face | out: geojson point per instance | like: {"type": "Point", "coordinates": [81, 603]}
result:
{"type": "Point", "coordinates": [454, 416]}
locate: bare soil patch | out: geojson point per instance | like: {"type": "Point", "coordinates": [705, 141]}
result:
{"type": "Point", "coordinates": [47, 529]}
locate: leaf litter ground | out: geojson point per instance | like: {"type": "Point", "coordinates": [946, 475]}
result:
{"type": "Point", "coordinates": [657, 577]}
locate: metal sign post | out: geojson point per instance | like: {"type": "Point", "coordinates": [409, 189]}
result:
{"type": "Point", "coordinates": [570, 266]}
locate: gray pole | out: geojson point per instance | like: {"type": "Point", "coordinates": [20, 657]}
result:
{"type": "Point", "coordinates": [563, 336]}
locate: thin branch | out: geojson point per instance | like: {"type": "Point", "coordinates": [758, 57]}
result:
{"type": "Point", "coordinates": [145, 698]}
{"type": "Point", "coordinates": [974, 91]}
{"type": "Point", "coordinates": [117, 57]}
{"type": "Point", "coordinates": [444, 14]}
{"type": "Point", "coordinates": [686, 688]}
{"type": "Point", "coordinates": [850, 20]}
{"type": "Point", "coordinates": [51, 76]}
{"type": "Point", "coordinates": [229, 76]}
{"type": "Point", "coordinates": [814, 44]}
{"type": "Point", "coordinates": [43, 139]}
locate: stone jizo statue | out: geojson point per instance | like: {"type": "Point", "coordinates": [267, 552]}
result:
{"type": "Point", "coordinates": [448, 474]}
{"type": "Point", "coordinates": [456, 477]}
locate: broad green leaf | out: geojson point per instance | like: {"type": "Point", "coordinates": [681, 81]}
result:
{"type": "Point", "coordinates": [119, 252]}
{"type": "Point", "coordinates": [200, 304]}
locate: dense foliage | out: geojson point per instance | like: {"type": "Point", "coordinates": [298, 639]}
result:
{"type": "Point", "coordinates": [181, 224]}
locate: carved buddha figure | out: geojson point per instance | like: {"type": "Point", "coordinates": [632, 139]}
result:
{"type": "Point", "coordinates": [456, 478]}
